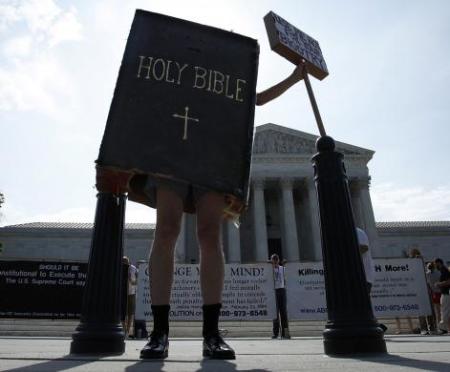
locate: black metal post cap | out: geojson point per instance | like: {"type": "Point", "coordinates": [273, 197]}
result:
{"type": "Point", "coordinates": [325, 144]}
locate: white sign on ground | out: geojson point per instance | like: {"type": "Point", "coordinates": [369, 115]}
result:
{"type": "Point", "coordinates": [248, 293]}
{"type": "Point", "coordinates": [399, 289]}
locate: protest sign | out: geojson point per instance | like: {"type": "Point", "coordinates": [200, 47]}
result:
{"type": "Point", "coordinates": [399, 289]}
{"type": "Point", "coordinates": [248, 293]}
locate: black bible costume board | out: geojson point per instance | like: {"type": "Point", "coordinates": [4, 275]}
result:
{"type": "Point", "coordinates": [183, 106]}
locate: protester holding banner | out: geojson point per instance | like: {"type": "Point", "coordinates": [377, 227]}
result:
{"type": "Point", "coordinates": [129, 282]}
{"type": "Point", "coordinates": [366, 256]}
{"type": "Point", "coordinates": [280, 323]}
{"type": "Point", "coordinates": [171, 198]}
{"type": "Point", "coordinates": [444, 285]}
{"type": "Point", "coordinates": [131, 299]}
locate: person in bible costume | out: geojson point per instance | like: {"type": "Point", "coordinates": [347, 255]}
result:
{"type": "Point", "coordinates": [172, 198]}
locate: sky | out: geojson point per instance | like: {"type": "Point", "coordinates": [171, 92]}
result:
{"type": "Point", "coordinates": [388, 90]}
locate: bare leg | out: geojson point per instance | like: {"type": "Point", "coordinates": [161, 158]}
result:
{"type": "Point", "coordinates": [169, 209]}
{"type": "Point", "coordinates": [130, 313]}
{"type": "Point", "coordinates": [209, 219]}
{"type": "Point", "coordinates": [168, 221]}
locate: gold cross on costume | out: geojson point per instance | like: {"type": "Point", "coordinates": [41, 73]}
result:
{"type": "Point", "coordinates": [186, 118]}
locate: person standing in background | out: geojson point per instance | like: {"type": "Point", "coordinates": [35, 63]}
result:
{"type": "Point", "coordinates": [131, 299]}
{"type": "Point", "coordinates": [366, 257]}
{"type": "Point", "coordinates": [171, 198]}
{"type": "Point", "coordinates": [367, 261]}
{"type": "Point", "coordinates": [129, 281]}
{"type": "Point", "coordinates": [281, 321]}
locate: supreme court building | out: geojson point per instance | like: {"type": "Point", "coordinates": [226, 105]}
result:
{"type": "Point", "coordinates": [283, 214]}
{"type": "Point", "coordinates": [282, 218]}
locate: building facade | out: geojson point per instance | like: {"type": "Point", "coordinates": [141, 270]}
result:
{"type": "Point", "coordinates": [283, 214]}
{"type": "Point", "coordinates": [282, 217]}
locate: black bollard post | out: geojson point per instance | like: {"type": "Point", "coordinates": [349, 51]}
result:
{"type": "Point", "coordinates": [351, 327]}
{"type": "Point", "coordinates": [100, 329]}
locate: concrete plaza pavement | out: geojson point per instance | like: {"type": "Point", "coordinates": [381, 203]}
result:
{"type": "Point", "coordinates": [406, 353]}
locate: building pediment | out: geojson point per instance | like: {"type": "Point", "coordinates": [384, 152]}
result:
{"type": "Point", "coordinates": [275, 139]}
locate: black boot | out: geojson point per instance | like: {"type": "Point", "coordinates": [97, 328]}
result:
{"type": "Point", "coordinates": [275, 328]}
{"type": "Point", "coordinates": [158, 345]}
{"type": "Point", "coordinates": [213, 344]}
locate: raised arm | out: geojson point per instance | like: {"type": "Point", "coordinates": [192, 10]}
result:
{"type": "Point", "coordinates": [278, 89]}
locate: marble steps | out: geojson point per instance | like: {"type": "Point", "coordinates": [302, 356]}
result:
{"type": "Point", "coordinates": [64, 328]}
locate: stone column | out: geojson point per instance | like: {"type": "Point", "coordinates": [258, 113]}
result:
{"type": "Point", "coordinates": [355, 191]}
{"type": "Point", "coordinates": [234, 243]}
{"type": "Point", "coordinates": [290, 226]}
{"type": "Point", "coordinates": [259, 221]}
{"type": "Point", "coordinates": [313, 208]}
{"type": "Point", "coordinates": [369, 217]}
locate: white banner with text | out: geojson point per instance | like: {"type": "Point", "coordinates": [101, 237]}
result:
{"type": "Point", "coordinates": [248, 293]}
{"type": "Point", "coordinates": [399, 289]}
